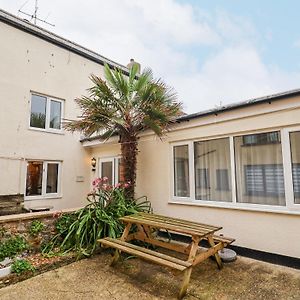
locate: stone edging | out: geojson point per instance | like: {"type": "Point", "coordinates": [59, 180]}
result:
{"type": "Point", "coordinates": [35, 215]}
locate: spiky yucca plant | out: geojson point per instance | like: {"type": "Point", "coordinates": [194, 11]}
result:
{"type": "Point", "coordinates": [124, 106]}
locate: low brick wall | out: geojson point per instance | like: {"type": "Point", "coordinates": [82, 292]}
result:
{"type": "Point", "coordinates": [11, 204]}
{"type": "Point", "coordinates": [21, 223]}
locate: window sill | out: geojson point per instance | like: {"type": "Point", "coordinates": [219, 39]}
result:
{"type": "Point", "coordinates": [246, 207]}
{"type": "Point", "coordinates": [60, 132]}
{"type": "Point", "coordinates": [35, 198]}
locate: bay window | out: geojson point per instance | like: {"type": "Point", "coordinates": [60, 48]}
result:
{"type": "Point", "coordinates": [256, 171]}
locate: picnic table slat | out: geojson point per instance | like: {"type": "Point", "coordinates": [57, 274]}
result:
{"type": "Point", "coordinates": [173, 221]}
{"type": "Point", "coordinates": [177, 220]}
{"type": "Point", "coordinates": [162, 225]}
{"type": "Point", "coordinates": [147, 254]}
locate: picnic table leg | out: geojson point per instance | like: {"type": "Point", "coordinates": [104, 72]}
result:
{"type": "Point", "coordinates": [123, 238]}
{"type": "Point", "coordinates": [187, 273]}
{"type": "Point", "coordinates": [216, 255]}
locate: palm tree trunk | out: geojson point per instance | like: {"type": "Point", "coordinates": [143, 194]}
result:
{"type": "Point", "coordinates": [129, 151]}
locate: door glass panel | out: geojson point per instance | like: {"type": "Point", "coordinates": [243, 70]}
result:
{"type": "Point", "coordinates": [107, 170]}
{"type": "Point", "coordinates": [34, 178]}
{"type": "Point", "coordinates": [117, 170]}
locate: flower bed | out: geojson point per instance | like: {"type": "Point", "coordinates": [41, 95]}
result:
{"type": "Point", "coordinates": [37, 242]}
{"type": "Point", "coordinates": [21, 240]}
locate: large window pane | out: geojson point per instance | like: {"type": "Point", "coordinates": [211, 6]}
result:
{"type": "Point", "coordinates": [34, 178]}
{"type": "Point", "coordinates": [212, 170]}
{"type": "Point", "coordinates": [52, 178]}
{"type": "Point", "coordinates": [295, 151]}
{"type": "Point", "coordinates": [181, 171]}
{"type": "Point", "coordinates": [259, 169]}
{"type": "Point", "coordinates": [55, 114]}
{"type": "Point", "coordinates": [38, 111]}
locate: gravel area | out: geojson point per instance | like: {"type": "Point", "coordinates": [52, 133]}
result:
{"type": "Point", "coordinates": [136, 279]}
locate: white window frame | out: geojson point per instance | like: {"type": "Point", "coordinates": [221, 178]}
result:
{"type": "Point", "coordinates": [289, 208]}
{"type": "Point", "coordinates": [48, 111]}
{"type": "Point", "coordinates": [45, 195]}
{"type": "Point", "coordinates": [191, 169]}
{"type": "Point", "coordinates": [193, 151]}
{"type": "Point", "coordinates": [287, 168]}
{"type": "Point", "coordinates": [115, 170]}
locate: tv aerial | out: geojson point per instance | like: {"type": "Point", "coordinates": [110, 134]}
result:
{"type": "Point", "coordinates": [34, 17]}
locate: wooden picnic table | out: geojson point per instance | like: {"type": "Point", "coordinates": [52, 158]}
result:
{"type": "Point", "coordinates": [146, 228]}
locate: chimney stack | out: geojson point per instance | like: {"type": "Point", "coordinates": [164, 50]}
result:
{"type": "Point", "coordinates": [132, 63]}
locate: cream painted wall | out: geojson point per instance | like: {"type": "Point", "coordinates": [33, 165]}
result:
{"type": "Point", "coordinates": [30, 64]}
{"type": "Point", "coordinates": [266, 231]}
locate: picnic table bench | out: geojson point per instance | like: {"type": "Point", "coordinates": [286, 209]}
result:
{"type": "Point", "coordinates": [146, 227]}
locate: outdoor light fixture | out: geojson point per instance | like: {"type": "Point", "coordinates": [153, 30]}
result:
{"type": "Point", "coordinates": [93, 163]}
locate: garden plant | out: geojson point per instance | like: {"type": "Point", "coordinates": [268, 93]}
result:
{"type": "Point", "coordinates": [80, 231]}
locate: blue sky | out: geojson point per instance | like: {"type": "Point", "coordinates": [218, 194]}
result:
{"type": "Point", "coordinates": [212, 52]}
{"type": "Point", "coordinates": [277, 24]}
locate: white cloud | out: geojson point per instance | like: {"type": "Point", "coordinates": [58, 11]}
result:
{"type": "Point", "coordinates": [297, 43]}
{"type": "Point", "coordinates": [234, 74]}
{"type": "Point", "coordinates": [166, 35]}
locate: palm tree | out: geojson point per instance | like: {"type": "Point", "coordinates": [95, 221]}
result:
{"type": "Point", "coordinates": [125, 106]}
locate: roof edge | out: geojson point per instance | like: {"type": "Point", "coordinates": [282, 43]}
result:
{"type": "Point", "coordinates": [249, 102]}
{"type": "Point", "coordinates": [57, 40]}
{"type": "Point", "coordinates": [229, 107]}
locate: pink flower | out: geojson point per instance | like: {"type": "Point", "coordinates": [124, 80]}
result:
{"type": "Point", "coordinates": [56, 214]}
{"type": "Point", "coordinates": [118, 185]}
{"type": "Point", "coordinates": [96, 181]}
{"type": "Point", "coordinates": [126, 185]}
{"type": "Point", "coordinates": [105, 179]}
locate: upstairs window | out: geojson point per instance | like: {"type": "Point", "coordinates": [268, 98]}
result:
{"type": "Point", "coordinates": [46, 113]}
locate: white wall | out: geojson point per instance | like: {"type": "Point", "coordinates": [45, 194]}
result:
{"type": "Point", "coordinates": [30, 64]}
{"type": "Point", "coordinates": [266, 231]}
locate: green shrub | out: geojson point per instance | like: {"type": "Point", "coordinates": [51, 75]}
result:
{"type": "Point", "coordinates": [63, 224]}
{"type": "Point", "coordinates": [36, 227]}
{"type": "Point", "coordinates": [21, 265]}
{"type": "Point", "coordinates": [12, 246]}
{"type": "Point", "coordinates": [99, 218]}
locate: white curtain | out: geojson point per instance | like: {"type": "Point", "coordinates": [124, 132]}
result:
{"type": "Point", "coordinates": [212, 170]}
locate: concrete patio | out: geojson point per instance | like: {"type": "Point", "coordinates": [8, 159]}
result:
{"type": "Point", "coordinates": [135, 279]}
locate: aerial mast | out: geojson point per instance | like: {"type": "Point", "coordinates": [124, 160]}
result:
{"type": "Point", "coordinates": [33, 16]}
